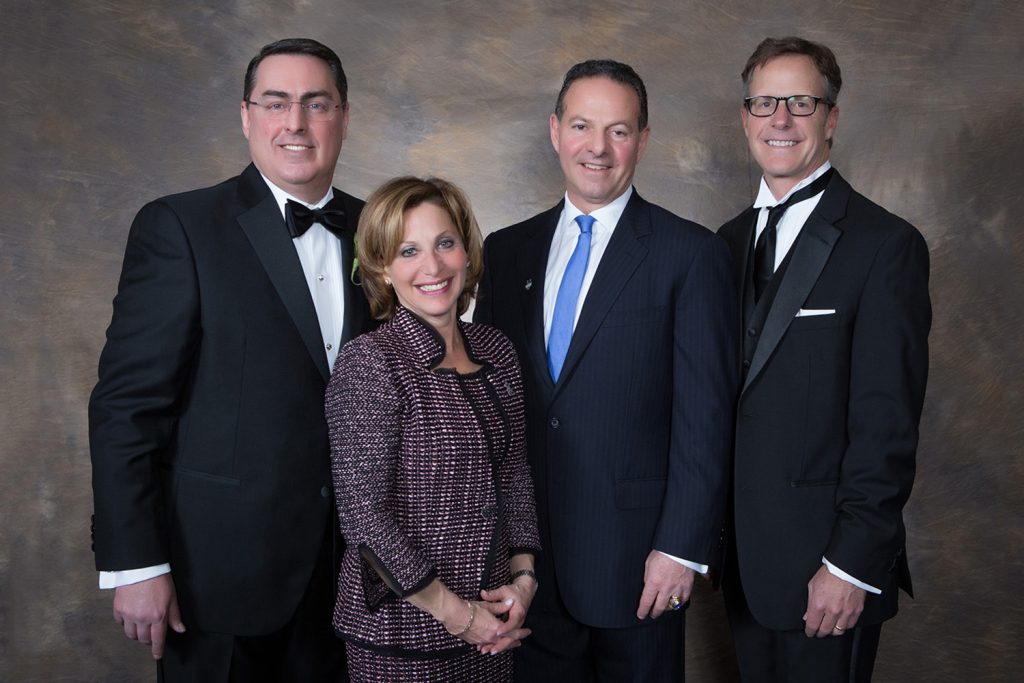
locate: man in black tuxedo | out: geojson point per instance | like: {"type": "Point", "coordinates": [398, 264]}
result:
{"type": "Point", "coordinates": [835, 319]}
{"type": "Point", "coordinates": [622, 314]}
{"type": "Point", "coordinates": [211, 478]}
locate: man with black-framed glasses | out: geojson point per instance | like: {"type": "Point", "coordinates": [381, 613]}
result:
{"type": "Point", "coordinates": [214, 517]}
{"type": "Point", "coordinates": [834, 325]}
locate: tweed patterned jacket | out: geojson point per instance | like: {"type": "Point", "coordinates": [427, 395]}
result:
{"type": "Point", "coordinates": [430, 477]}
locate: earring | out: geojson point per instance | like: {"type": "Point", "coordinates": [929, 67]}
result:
{"type": "Point", "coordinates": [387, 281]}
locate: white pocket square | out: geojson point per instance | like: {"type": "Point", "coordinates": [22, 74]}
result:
{"type": "Point", "coordinates": [804, 312]}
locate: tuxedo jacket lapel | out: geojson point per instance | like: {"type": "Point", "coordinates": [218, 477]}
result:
{"type": "Point", "coordinates": [810, 254]}
{"type": "Point", "coordinates": [264, 226]}
{"type": "Point", "coordinates": [624, 253]}
{"type": "Point", "coordinates": [356, 318]}
{"type": "Point", "coordinates": [532, 262]}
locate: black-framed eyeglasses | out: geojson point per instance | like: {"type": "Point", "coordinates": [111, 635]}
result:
{"type": "Point", "coordinates": [318, 109]}
{"type": "Point", "coordinates": [798, 105]}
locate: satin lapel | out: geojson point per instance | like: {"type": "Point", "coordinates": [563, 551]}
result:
{"type": "Point", "coordinates": [532, 263]}
{"type": "Point", "coordinates": [356, 312]}
{"type": "Point", "coordinates": [264, 226]}
{"type": "Point", "coordinates": [624, 253]}
{"type": "Point", "coordinates": [810, 253]}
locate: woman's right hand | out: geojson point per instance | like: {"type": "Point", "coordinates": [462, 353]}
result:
{"type": "Point", "coordinates": [487, 630]}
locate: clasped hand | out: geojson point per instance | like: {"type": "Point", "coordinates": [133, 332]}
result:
{"type": "Point", "coordinates": [498, 622]}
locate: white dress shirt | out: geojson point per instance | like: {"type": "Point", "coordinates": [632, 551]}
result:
{"type": "Point", "coordinates": [320, 253]}
{"type": "Point", "coordinates": [788, 230]}
{"type": "Point", "coordinates": [563, 243]}
{"type": "Point", "coordinates": [319, 250]}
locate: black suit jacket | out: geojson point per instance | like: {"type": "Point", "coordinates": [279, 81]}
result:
{"type": "Point", "coordinates": [207, 431]}
{"type": "Point", "coordinates": [827, 419]}
{"type": "Point", "coordinates": [629, 451]}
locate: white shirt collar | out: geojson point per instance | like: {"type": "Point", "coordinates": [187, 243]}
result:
{"type": "Point", "coordinates": [766, 198]}
{"type": "Point", "coordinates": [282, 197]}
{"type": "Point", "coordinates": [608, 215]}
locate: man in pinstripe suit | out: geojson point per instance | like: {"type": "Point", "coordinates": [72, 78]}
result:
{"type": "Point", "coordinates": [622, 314]}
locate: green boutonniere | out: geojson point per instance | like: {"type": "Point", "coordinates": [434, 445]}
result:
{"type": "Point", "coordinates": [357, 281]}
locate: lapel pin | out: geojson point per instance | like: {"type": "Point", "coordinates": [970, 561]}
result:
{"type": "Point", "coordinates": [529, 283]}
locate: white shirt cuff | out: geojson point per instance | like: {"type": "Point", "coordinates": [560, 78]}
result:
{"type": "Point", "coordinates": [699, 568]}
{"type": "Point", "coordinates": [836, 571]}
{"type": "Point", "coordinates": [130, 576]}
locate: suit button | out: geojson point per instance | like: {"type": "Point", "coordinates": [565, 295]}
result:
{"type": "Point", "coordinates": [752, 332]}
{"type": "Point", "coordinates": [324, 492]}
{"type": "Point", "coordinates": [746, 364]}
{"type": "Point", "coordinates": [489, 512]}
{"type": "Point", "coordinates": [555, 423]}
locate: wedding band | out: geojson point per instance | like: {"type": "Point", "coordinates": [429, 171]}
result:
{"type": "Point", "coordinates": [840, 630]}
{"type": "Point", "coordinates": [674, 602]}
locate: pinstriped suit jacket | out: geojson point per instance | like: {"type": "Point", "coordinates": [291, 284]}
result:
{"type": "Point", "coordinates": [630, 449]}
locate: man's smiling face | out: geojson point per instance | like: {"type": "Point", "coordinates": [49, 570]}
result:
{"type": "Point", "coordinates": [295, 152]}
{"type": "Point", "coordinates": [789, 148]}
{"type": "Point", "coordinates": [598, 141]}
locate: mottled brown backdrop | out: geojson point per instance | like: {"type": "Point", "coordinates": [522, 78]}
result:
{"type": "Point", "coordinates": [107, 104]}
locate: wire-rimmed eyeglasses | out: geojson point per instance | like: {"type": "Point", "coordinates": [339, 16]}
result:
{"type": "Point", "coordinates": [318, 109]}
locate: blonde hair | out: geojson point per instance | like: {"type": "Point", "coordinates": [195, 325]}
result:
{"type": "Point", "coordinates": [381, 231]}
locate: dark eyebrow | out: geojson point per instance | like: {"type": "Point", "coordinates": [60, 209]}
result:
{"type": "Point", "coordinates": [584, 119]}
{"type": "Point", "coordinates": [313, 94]}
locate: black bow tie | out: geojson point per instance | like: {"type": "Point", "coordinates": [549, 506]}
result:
{"type": "Point", "coordinates": [299, 218]}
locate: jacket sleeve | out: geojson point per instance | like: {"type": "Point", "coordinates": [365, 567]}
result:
{"type": "Point", "coordinates": [143, 372]}
{"type": "Point", "coordinates": [704, 393]}
{"type": "Point", "coordinates": [364, 415]}
{"type": "Point", "coordinates": [888, 374]}
{"type": "Point", "coordinates": [515, 470]}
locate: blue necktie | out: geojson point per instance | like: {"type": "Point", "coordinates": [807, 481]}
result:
{"type": "Point", "coordinates": [568, 295]}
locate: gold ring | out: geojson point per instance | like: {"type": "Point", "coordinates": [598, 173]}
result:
{"type": "Point", "coordinates": [840, 630]}
{"type": "Point", "coordinates": [674, 602]}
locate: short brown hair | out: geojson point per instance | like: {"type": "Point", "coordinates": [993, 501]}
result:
{"type": "Point", "coordinates": [382, 230]}
{"type": "Point", "coordinates": [824, 60]}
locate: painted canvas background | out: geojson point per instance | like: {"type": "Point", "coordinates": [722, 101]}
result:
{"type": "Point", "coordinates": [105, 105]}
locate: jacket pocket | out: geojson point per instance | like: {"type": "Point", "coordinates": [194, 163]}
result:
{"type": "Point", "coordinates": [206, 476]}
{"type": "Point", "coordinates": [803, 483]}
{"type": "Point", "coordinates": [815, 322]}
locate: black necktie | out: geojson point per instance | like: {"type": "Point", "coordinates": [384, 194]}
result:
{"type": "Point", "coordinates": [764, 250]}
{"type": "Point", "coordinates": [299, 218]}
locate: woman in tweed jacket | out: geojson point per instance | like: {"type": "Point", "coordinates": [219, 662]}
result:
{"type": "Point", "coordinates": [427, 444]}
